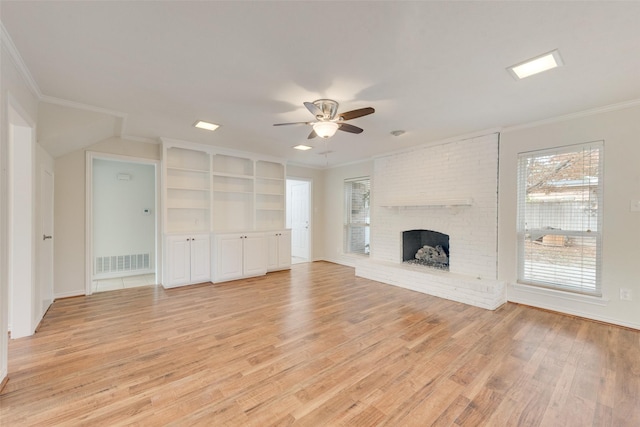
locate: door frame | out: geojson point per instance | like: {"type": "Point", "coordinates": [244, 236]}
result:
{"type": "Point", "coordinates": [21, 318]}
{"type": "Point", "coordinates": [90, 157]}
{"type": "Point", "coordinates": [309, 181]}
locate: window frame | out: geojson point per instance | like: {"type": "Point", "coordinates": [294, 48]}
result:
{"type": "Point", "coordinates": [523, 231]}
{"type": "Point", "coordinates": [349, 224]}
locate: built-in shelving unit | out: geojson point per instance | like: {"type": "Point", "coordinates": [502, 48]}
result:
{"type": "Point", "coordinates": [206, 190]}
{"type": "Point", "coordinates": [233, 186]}
{"type": "Point", "coordinates": [270, 193]}
{"type": "Point", "coordinates": [187, 190]}
{"type": "Point", "coordinates": [229, 203]}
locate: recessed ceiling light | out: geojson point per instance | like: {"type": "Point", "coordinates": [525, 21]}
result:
{"type": "Point", "coordinates": [206, 125]}
{"type": "Point", "coordinates": [536, 65]}
{"type": "Point", "coordinates": [302, 147]}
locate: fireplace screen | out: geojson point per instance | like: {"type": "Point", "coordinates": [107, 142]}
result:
{"type": "Point", "coordinates": [426, 247]}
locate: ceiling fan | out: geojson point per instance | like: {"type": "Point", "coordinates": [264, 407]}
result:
{"type": "Point", "coordinates": [328, 120]}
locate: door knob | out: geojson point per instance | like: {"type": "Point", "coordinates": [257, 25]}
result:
{"type": "Point", "coordinates": [45, 237]}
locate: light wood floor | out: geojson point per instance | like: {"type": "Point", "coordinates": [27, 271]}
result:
{"type": "Point", "coordinates": [316, 346]}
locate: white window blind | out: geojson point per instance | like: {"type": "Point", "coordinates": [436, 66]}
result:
{"type": "Point", "coordinates": [560, 218]}
{"type": "Point", "coordinates": [357, 193]}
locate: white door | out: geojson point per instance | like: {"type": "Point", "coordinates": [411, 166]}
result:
{"type": "Point", "coordinates": [200, 260]}
{"type": "Point", "coordinates": [300, 219]}
{"type": "Point", "coordinates": [45, 259]}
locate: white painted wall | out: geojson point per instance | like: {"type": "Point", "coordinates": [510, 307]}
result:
{"type": "Point", "coordinates": [69, 216]}
{"type": "Point", "coordinates": [333, 209]}
{"type": "Point", "coordinates": [620, 130]}
{"type": "Point", "coordinates": [119, 225]}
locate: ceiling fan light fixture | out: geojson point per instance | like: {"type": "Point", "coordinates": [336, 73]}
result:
{"type": "Point", "coordinates": [325, 129]}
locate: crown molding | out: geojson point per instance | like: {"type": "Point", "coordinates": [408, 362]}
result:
{"type": "Point", "coordinates": [577, 115]}
{"type": "Point", "coordinates": [81, 106]}
{"type": "Point", "coordinates": [7, 43]}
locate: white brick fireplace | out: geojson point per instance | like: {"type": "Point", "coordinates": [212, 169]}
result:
{"type": "Point", "coordinates": [450, 188]}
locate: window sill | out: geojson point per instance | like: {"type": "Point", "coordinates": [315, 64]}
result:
{"type": "Point", "coordinates": [564, 295]}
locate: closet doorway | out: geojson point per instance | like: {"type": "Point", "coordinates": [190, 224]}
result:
{"type": "Point", "coordinates": [123, 226]}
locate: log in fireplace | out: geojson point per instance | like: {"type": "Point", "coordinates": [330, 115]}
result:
{"type": "Point", "coordinates": [426, 247]}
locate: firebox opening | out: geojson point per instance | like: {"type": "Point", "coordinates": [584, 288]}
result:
{"type": "Point", "coordinates": [426, 247]}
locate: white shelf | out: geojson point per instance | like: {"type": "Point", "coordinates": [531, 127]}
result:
{"type": "Point", "coordinates": [172, 168]}
{"type": "Point", "coordinates": [187, 188]}
{"type": "Point", "coordinates": [270, 179]}
{"type": "Point", "coordinates": [429, 203]}
{"type": "Point", "coordinates": [232, 192]}
{"type": "Point", "coordinates": [232, 175]}
{"type": "Point", "coordinates": [262, 193]}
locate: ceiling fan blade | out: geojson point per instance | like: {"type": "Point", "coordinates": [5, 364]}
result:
{"type": "Point", "coordinates": [353, 114]}
{"type": "Point", "coordinates": [313, 109]}
{"type": "Point", "coordinates": [312, 135]}
{"type": "Point", "coordinates": [346, 127]}
{"type": "Point", "coordinates": [294, 123]}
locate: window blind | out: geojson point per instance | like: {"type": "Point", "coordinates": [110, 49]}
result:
{"type": "Point", "coordinates": [560, 218]}
{"type": "Point", "coordinates": [357, 196]}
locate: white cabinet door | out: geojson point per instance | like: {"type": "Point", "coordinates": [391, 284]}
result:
{"type": "Point", "coordinates": [255, 254]}
{"type": "Point", "coordinates": [177, 261]}
{"type": "Point", "coordinates": [278, 250]}
{"type": "Point", "coordinates": [200, 258]}
{"type": "Point", "coordinates": [272, 251]}
{"type": "Point", "coordinates": [228, 257]}
{"type": "Point", "coordinates": [284, 249]}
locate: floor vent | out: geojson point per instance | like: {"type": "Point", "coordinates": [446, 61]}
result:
{"type": "Point", "coordinates": [120, 263]}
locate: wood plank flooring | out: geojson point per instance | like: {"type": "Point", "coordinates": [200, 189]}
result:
{"type": "Point", "coordinates": [316, 346]}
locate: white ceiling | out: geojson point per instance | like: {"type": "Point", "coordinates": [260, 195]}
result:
{"type": "Point", "coordinates": [434, 69]}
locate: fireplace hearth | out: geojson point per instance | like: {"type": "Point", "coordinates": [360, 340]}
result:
{"type": "Point", "coordinates": [426, 247]}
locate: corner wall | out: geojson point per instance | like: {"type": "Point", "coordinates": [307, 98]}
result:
{"type": "Point", "coordinates": [333, 207]}
{"type": "Point", "coordinates": [12, 85]}
{"type": "Point", "coordinates": [620, 131]}
{"type": "Point", "coordinates": [70, 204]}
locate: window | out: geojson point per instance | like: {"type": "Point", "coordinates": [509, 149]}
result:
{"type": "Point", "coordinates": [560, 218]}
{"type": "Point", "coordinates": [357, 193]}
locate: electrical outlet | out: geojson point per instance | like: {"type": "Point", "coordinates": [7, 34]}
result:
{"type": "Point", "coordinates": [625, 294]}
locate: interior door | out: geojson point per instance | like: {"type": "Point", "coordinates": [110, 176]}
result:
{"type": "Point", "coordinates": [300, 219]}
{"type": "Point", "coordinates": [45, 260]}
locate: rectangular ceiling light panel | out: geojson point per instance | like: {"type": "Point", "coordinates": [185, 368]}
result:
{"type": "Point", "coordinates": [536, 65]}
{"type": "Point", "coordinates": [200, 124]}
